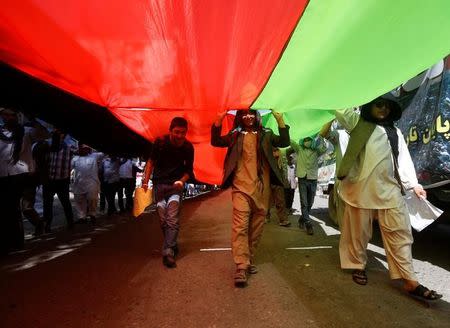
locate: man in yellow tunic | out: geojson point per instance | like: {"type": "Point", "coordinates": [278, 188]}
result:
{"type": "Point", "coordinates": [248, 168]}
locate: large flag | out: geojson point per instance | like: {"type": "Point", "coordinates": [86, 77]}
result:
{"type": "Point", "coordinates": [146, 61]}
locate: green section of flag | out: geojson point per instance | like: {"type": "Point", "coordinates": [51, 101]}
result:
{"type": "Point", "coordinates": [345, 53]}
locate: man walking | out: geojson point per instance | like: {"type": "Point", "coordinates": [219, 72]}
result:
{"type": "Point", "coordinates": [171, 163]}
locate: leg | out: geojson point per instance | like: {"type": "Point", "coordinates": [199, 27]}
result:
{"type": "Point", "coordinates": [63, 193]}
{"type": "Point", "coordinates": [280, 205]}
{"type": "Point", "coordinates": [172, 222]}
{"type": "Point", "coordinates": [355, 235]}
{"type": "Point", "coordinates": [129, 189]}
{"type": "Point", "coordinates": [120, 189]}
{"type": "Point", "coordinates": [310, 194]}
{"type": "Point", "coordinates": [92, 202]}
{"type": "Point", "coordinates": [11, 231]}
{"type": "Point", "coordinates": [289, 197]}
{"type": "Point", "coordinates": [48, 192]}
{"type": "Point", "coordinates": [27, 203]}
{"type": "Point", "coordinates": [397, 241]}
{"type": "Point", "coordinates": [303, 191]}
{"type": "Point", "coordinates": [80, 205]}
{"type": "Point", "coordinates": [271, 202]}
{"type": "Point", "coordinates": [110, 198]}
{"type": "Point", "coordinates": [102, 197]}
{"type": "Point", "coordinates": [168, 211]}
{"type": "Point", "coordinates": [240, 227]}
{"type": "Point", "coordinates": [255, 230]}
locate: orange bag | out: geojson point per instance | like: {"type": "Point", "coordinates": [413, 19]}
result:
{"type": "Point", "coordinates": [142, 199]}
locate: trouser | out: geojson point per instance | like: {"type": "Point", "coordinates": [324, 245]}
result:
{"type": "Point", "coordinates": [307, 189]}
{"type": "Point", "coordinates": [127, 185]}
{"type": "Point", "coordinates": [86, 203]}
{"type": "Point", "coordinates": [278, 201]}
{"type": "Point", "coordinates": [102, 197]}
{"type": "Point", "coordinates": [289, 197]}
{"type": "Point", "coordinates": [168, 211]}
{"type": "Point", "coordinates": [28, 200]}
{"type": "Point", "coordinates": [336, 205]}
{"type": "Point", "coordinates": [61, 189]}
{"type": "Point", "coordinates": [247, 228]}
{"type": "Point", "coordinates": [356, 231]}
{"type": "Point", "coordinates": [11, 224]}
{"type": "Point", "coordinates": [110, 190]}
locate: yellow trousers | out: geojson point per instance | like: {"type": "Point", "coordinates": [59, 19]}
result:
{"type": "Point", "coordinates": [247, 228]}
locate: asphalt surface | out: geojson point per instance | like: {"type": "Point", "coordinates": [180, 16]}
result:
{"type": "Point", "coordinates": [111, 275]}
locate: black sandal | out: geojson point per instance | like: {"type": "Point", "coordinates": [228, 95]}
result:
{"type": "Point", "coordinates": [423, 293]}
{"type": "Point", "coordinates": [360, 277]}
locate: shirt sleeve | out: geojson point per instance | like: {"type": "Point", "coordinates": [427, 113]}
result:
{"type": "Point", "coordinates": [295, 146]}
{"type": "Point", "coordinates": [348, 118]}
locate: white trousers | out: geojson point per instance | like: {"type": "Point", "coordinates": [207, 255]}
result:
{"type": "Point", "coordinates": [356, 231]}
{"type": "Point", "coordinates": [86, 204]}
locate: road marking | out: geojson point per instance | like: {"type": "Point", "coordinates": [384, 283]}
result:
{"type": "Point", "coordinates": [312, 247]}
{"type": "Point", "coordinates": [215, 249]}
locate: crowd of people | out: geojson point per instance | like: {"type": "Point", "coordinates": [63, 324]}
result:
{"type": "Point", "coordinates": [34, 156]}
{"type": "Point", "coordinates": [262, 168]}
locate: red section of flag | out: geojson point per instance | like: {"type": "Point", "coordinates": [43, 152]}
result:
{"type": "Point", "coordinates": [189, 58]}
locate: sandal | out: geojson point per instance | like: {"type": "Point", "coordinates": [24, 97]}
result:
{"type": "Point", "coordinates": [423, 293]}
{"type": "Point", "coordinates": [252, 269]}
{"type": "Point", "coordinates": [240, 278]}
{"type": "Point", "coordinates": [360, 277]}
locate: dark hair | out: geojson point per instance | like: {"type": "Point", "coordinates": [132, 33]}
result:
{"type": "Point", "coordinates": [178, 122]}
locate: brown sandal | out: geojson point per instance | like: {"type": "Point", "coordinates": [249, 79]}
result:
{"type": "Point", "coordinates": [360, 277]}
{"type": "Point", "coordinates": [423, 293]}
{"type": "Point", "coordinates": [240, 278]}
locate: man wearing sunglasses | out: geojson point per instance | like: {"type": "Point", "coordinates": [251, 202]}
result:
{"type": "Point", "coordinates": [250, 168]}
{"type": "Point", "coordinates": [375, 172]}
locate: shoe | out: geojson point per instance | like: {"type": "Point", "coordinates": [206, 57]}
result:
{"type": "Point", "coordinates": [309, 229]}
{"type": "Point", "coordinates": [169, 261]}
{"type": "Point", "coordinates": [47, 228]}
{"type": "Point", "coordinates": [240, 278]}
{"type": "Point", "coordinates": [252, 269]}
{"type": "Point", "coordinates": [176, 250]}
{"type": "Point", "coordinates": [284, 224]}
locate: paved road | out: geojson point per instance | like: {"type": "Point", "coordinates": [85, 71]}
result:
{"type": "Point", "coordinates": [111, 276]}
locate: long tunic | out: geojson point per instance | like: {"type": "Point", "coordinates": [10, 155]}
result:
{"type": "Point", "coordinates": [86, 174]}
{"type": "Point", "coordinates": [246, 176]}
{"type": "Point", "coordinates": [371, 183]}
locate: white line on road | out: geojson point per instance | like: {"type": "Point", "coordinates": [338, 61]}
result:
{"type": "Point", "coordinates": [215, 249]}
{"type": "Point", "coordinates": [312, 247]}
